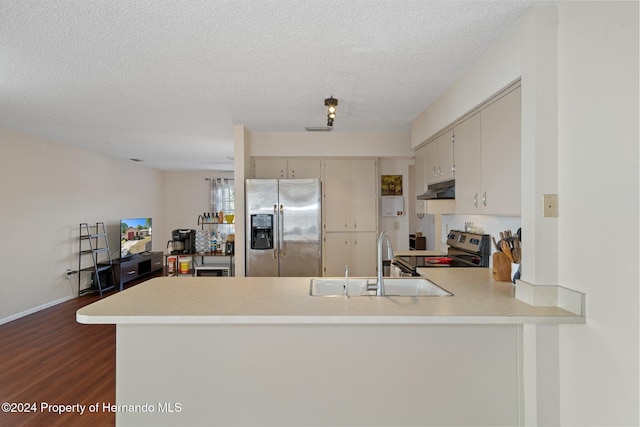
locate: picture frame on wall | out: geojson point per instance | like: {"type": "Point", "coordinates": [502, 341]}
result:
{"type": "Point", "coordinates": [391, 185]}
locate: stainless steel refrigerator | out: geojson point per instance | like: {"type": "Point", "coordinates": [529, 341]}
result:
{"type": "Point", "coordinates": [283, 236]}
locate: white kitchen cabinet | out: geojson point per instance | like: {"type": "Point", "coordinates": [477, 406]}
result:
{"type": "Point", "coordinates": [439, 165]}
{"type": "Point", "coordinates": [420, 178]}
{"type": "Point", "coordinates": [357, 250]}
{"type": "Point", "coordinates": [278, 167]}
{"type": "Point", "coordinates": [468, 166]}
{"type": "Point", "coordinates": [269, 168]}
{"type": "Point", "coordinates": [501, 148]}
{"type": "Point", "coordinates": [488, 159]}
{"type": "Point", "coordinates": [336, 190]}
{"type": "Point", "coordinates": [350, 196]}
{"type": "Point", "coordinates": [420, 171]}
{"type": "Point", "coordinates": [350, 209]}
{"type": "Point", "coordinates": [304, 168]}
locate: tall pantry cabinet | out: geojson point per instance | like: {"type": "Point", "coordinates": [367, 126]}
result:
{"type": "Point", "coordinates": [350, 210]}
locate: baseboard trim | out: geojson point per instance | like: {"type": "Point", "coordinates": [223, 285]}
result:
{"type": "Point", "coordinates": [35, 309]}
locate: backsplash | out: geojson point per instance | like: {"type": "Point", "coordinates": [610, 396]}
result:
{"type": "Point", "coordinates": [491, 225]}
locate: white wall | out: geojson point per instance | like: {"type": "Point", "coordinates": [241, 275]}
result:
{"type": "Point", "coordinates": [579, 68]}
{"type": "Point", "coordinates": [598, 186]}
{"type": "Point", "coordinates": [498, 66]}
{"type": "Point", "coordinates": [315, 374]}
{"type": "Point", "coordinates": [397, 227]}
{"type": "Point", "coordinates": [306, 144]}
{"type": "Point", "coordinates": [50, 188]}
{"type": "Point", "coordinates": [47, 189]}
{"type": "Point", "coordinates": [242, 167]}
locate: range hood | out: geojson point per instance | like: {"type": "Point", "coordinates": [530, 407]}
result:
{"type": "Point", "coordinates": [441, 190]}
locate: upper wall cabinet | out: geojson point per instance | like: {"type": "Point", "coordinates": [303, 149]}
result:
{"type": "Point", "coordinates": [438, 158]}
{"type": "Point", "coordinates": [434, 162]}
{"type": "Point", "coordinates": [488, 159]}
{"type": "Point", "coordinates": [277, 168]}
{"type": "Point", "coordinates": [420, 173]}
{"type": "Point", "coordinates": [469, 166]}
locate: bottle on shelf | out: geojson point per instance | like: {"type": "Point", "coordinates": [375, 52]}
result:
{"type": "Point", "coordinates": [214, 242]}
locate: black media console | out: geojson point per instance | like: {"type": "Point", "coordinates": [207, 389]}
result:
{"type": "Point", "coordinates": [136, 266]}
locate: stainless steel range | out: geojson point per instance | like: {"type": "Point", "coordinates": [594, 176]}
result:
{"type": "Point", "coordinates": [465, 250]}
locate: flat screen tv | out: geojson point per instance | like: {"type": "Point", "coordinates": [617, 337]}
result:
{"type": "Point", "coordinates": [135, 236]}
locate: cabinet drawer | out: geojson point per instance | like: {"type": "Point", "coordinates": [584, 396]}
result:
{"type": "Point", "coordinates": [128, 271]}
{"type": "Point", "coordinates": [157, 262]}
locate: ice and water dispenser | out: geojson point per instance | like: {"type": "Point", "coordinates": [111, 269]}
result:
{"type": "Point", "coordinates": [262, 231]}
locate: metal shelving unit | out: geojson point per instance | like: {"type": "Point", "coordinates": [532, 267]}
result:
{"type": "Point", "coordinates": [93, 243]}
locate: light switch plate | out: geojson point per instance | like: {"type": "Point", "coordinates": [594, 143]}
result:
{"type": "Point", "coordinates": [550, 205]}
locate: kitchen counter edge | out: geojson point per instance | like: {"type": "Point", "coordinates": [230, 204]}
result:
{"type": "Point", "coordinates": [245, 301]}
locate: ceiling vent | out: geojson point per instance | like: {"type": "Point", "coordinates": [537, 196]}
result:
{"type": "Point", "coordinates": [318, 128]}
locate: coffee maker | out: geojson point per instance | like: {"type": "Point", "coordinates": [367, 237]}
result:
{"type": "Point", "coordinates": [182, 242]}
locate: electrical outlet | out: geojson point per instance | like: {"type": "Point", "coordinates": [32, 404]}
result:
{"type": "Point", "coordinates": [550, 205]}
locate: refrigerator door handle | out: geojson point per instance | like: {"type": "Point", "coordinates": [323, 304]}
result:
{"type": "Point", "coordinates": [281, 231]}
{"type": "Point", "coordinates": [277, 232]}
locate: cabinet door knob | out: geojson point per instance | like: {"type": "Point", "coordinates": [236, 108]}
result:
{"type": "Point", "coordinates": [484, 198]}
{"type": "Point", "coordinates": [475, 200]}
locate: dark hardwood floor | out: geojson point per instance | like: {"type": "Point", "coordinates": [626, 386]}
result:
{"type": "Point", "coordinates": [47, 358]}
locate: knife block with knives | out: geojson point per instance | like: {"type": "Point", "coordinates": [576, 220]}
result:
{"type": "Point", "coordinates": [501, 267]}
{"type": "Point", "coordinates": [508, 252]}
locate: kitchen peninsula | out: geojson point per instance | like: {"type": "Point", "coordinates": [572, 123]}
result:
{"type": "Point", "coordinates": [262, 351]}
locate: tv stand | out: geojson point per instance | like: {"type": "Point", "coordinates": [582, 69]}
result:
{"type": "Point", "coordinates": [136, 266]}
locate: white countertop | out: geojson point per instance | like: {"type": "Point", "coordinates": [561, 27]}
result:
{"type": "Point", "coordinates": [477, 299]}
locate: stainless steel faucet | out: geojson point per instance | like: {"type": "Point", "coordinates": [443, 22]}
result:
{"type": "Point", "coordinates": [346, 280]}
{"type": "Point", "coordinates": [380, 281]}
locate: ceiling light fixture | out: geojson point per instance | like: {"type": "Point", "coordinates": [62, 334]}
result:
{"type": "Point", "coordinates": [331, 104]}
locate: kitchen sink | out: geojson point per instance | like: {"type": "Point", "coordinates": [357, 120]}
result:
{"type": "Point", "coordinates": [394, 286]}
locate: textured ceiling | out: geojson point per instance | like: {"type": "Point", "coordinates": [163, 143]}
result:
{"type": "Point", "coordinates": [165, 81]}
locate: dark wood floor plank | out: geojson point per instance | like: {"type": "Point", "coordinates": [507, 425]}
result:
{"type": "Point", "coordinates": [47, 357]}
